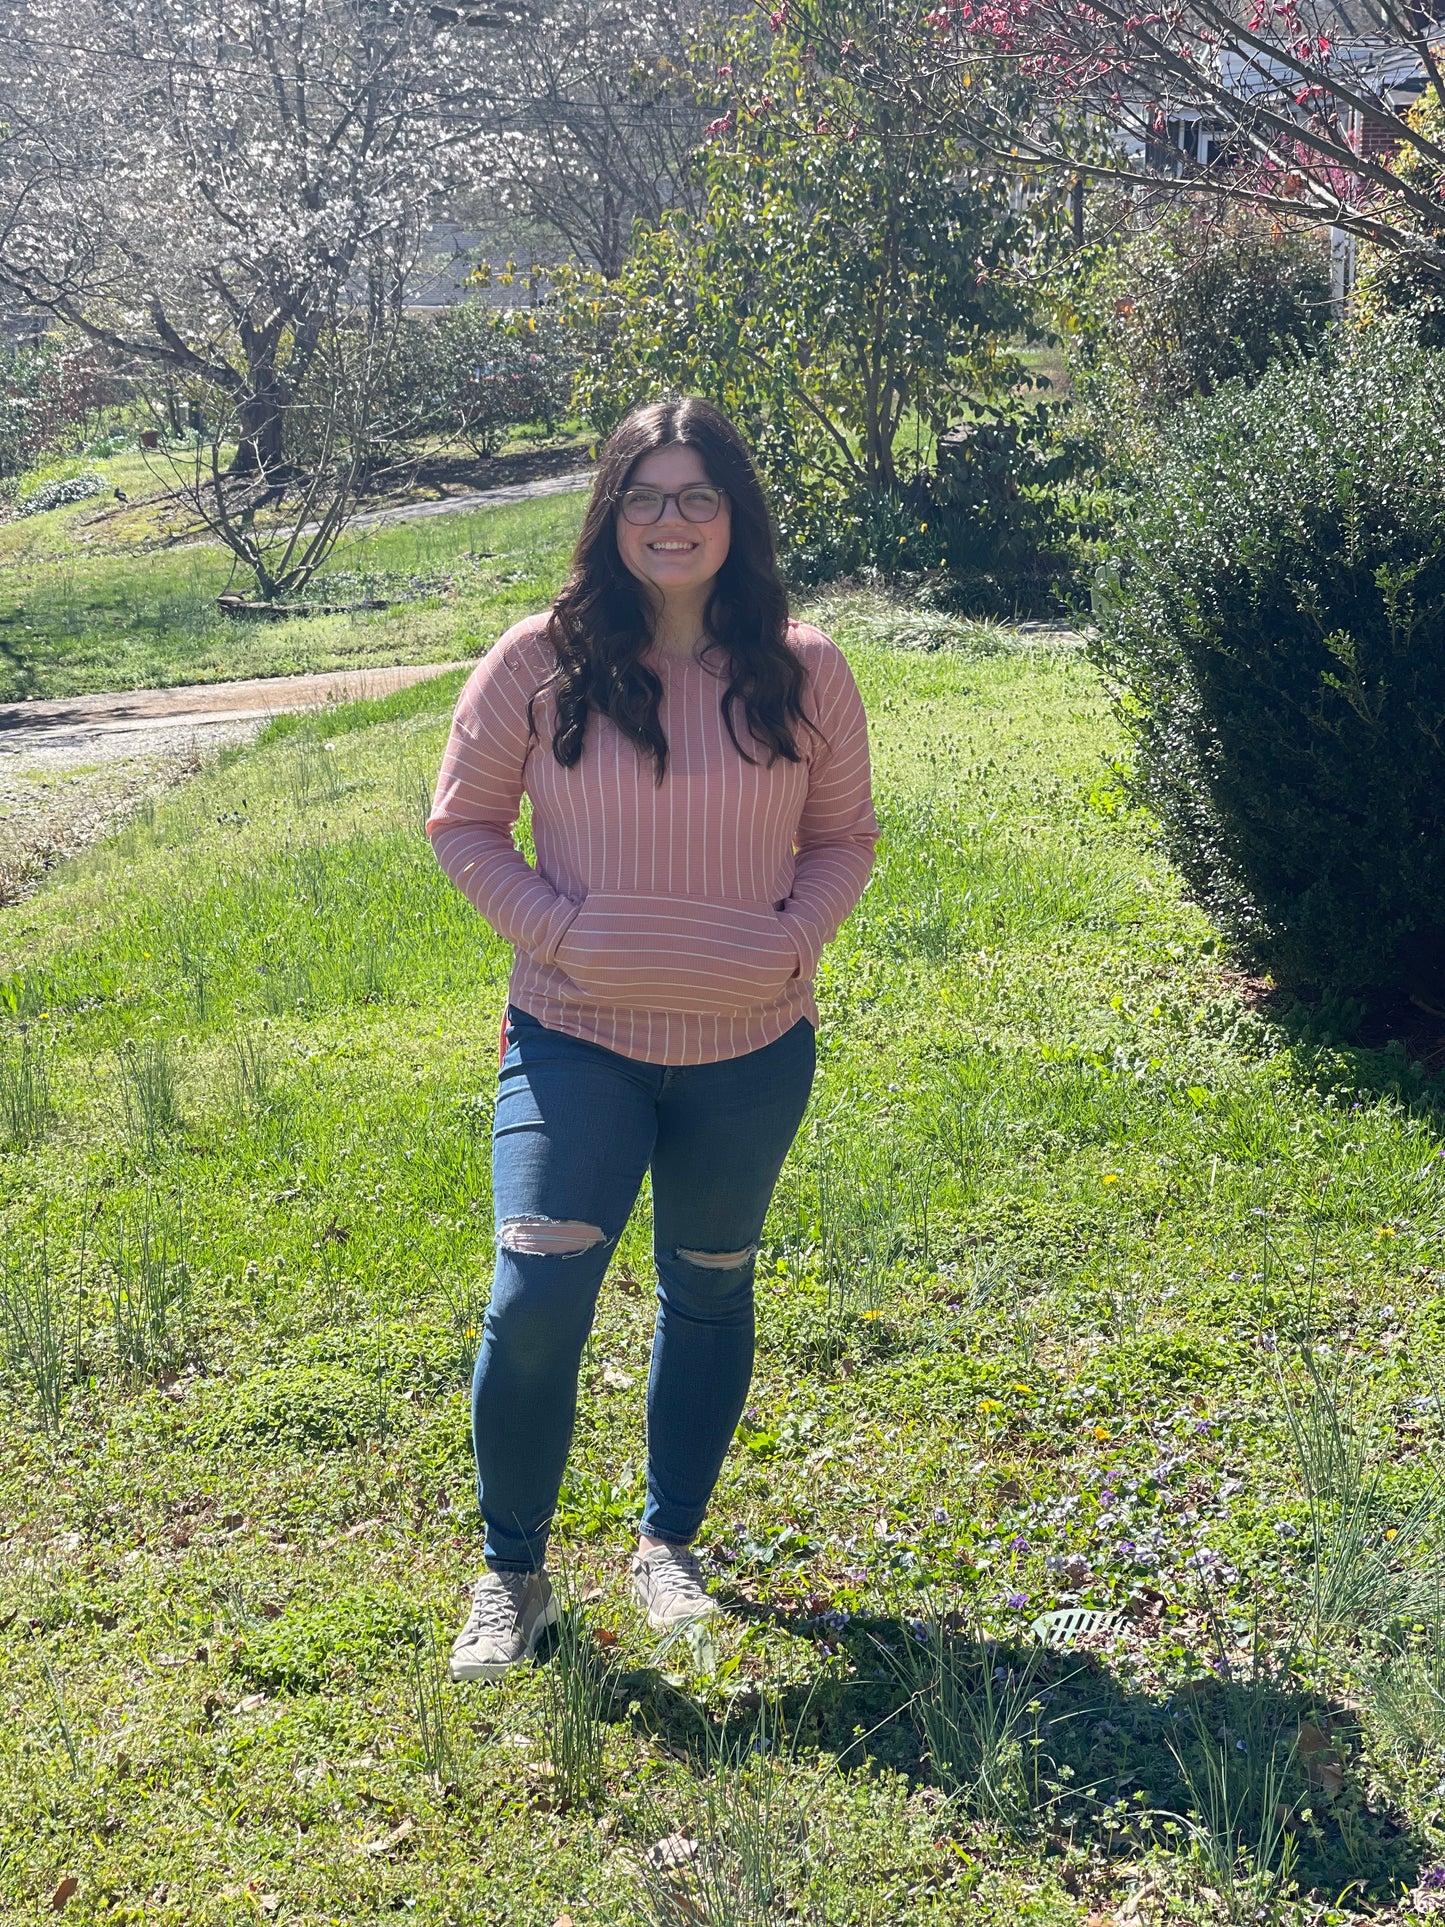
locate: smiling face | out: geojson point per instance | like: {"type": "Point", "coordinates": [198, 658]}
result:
{"type": "Point", "coordinates": [676, 559]}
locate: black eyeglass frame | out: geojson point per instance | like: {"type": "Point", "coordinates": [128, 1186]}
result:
{"type": "Point", "coordinates": [672, 495]}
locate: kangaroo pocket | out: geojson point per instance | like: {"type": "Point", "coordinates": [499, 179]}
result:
{"type": "Point", "coordinates": [640, 952]}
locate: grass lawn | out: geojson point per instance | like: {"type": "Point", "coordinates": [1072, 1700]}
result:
{"type": "Point", "coordinates": [1086, 1288]}
{"type": "Point", "coordinates": [77, 617]}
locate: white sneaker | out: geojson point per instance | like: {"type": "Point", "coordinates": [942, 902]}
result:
{"type": "Point", "coordinates": [510, 1613]}
{"type": "Point", "coordinates": [668, 1581]}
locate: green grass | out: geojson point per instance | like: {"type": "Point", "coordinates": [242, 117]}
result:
{"type": "Point", "coordinates": [74, 621]}
{"type": "Point", "coordinates": [1077, 1270]}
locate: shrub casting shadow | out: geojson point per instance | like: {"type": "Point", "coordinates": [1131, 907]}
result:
{"type": "Point", "coordinates": [1387, 1046]}
{"type": "Point", "coordinates": [1100, 1764]}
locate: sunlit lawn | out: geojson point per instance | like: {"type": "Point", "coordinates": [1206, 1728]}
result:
{"type": "Point", "coordinates": [74, 618]}
{"type": "Point", "coordinates": [1066, 1233]}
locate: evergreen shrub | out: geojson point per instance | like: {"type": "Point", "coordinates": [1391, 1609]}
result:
{"type": "Point", "coordinates": [1187, 302]}
{"type": "Point", "coordinates": [1274, 624]}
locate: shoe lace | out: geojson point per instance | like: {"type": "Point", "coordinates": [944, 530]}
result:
{"type": "Point", "coordinates": [679, 1572]}
{"type": "Point", "coordinates": [498, 1599]}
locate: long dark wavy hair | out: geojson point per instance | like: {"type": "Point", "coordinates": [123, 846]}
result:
{"type": "Point", "coordinates": [601, 623]}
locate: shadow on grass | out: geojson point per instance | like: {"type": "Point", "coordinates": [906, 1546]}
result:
{"type": "Point", "coordinates": [17, 673]}
{"type": "Point", "coordinates": [1058, 1748]}
{"type": "Point", "coordinates": [1389, 1048]}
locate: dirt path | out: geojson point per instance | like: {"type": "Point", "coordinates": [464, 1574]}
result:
{"type": "Point", "coordinates": [72, 771]}
{"type": "Point", "coordinates": [133, 721]}
{"type": "Point", "coordinates": [482, 498]}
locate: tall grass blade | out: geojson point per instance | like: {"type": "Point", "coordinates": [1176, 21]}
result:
{"type": "Point", "coordinates": [147, 1279]}
{"type": "Point", "coordinates": [977, 1710]}
{"type": "Point", "coordinates": [40, 1332]}
{"type": "Point", "coordinates": [26, 1106]}
{"type": "Point", "coordinates": [426, 1688]}
{"type": "Point", "coordinates": [149, 1093]}
{"type": "Point", "coordinates": [729, 1852]}
{"type": "Point", "coordinates": [1239, 1773]}
{"type": "Point", "coordinates": [1371, 1562]}
{"type": "Point", "coordinates": [61, 1716]}
{"type": "Point", "coordinates": [577, 1690]}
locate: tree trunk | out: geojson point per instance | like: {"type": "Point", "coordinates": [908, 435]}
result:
{"type": "Point", "coordinates": [260, 443]}
{"type": "Point", "coordinates": [261, 402]}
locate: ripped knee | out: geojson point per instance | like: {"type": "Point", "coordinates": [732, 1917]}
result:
{"type": "Point", "coordinates": [718, 1260]}
{"type": "Point", "coordinates": [548, 1237]}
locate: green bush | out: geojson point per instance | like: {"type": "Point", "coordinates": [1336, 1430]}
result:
{"type": "Point", "coordinates": [473, 372]}
{"type": "Point", "coordinates": [1189, 301]}
{"type": "Point", "coordinates": [1275, 625]}
{"type": "Point", "coordinates": [999, 524]}
{"type": "Point", "coordinates": [54, 394]}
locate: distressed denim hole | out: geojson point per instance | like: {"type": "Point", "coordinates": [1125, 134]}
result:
{"type": "Point", "coordinates": [548, 1237]}
{"type": "Point", "coordinates": [718, 1260]}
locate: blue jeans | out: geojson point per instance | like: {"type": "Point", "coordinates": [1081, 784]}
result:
{"type": "Point", "coordinates": [576, 1129]}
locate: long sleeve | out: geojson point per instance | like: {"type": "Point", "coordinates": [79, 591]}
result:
{"type": "Point", "coordinates": [479, 796]}
{"type": "Point", "coordinates": [838, 830]}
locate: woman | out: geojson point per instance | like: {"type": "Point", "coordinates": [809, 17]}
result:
{"type": "Point", "coordinates": [697, 768]}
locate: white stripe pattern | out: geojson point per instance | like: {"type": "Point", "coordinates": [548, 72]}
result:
{"type": "Point", "coordinates": [676, 923]}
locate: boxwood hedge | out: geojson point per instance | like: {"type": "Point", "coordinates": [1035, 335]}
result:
{"type": "Point", "coordinates": [1274, 626]}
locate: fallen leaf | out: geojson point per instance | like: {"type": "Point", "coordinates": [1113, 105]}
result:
{"type": "Point", "coordinates": [250, 1703]}
{"type": "Point", "coordinates": [1322, 1766]}
{"type": "Point", "coordinates": [562, 1920]}
{"type": "Point", "coordinates": [63, 1892]}
{"type": "Point", "coordinates": [389, 1841]}
{"type": "Point", "coordinates": [615, 1379]}
{"type": "Point", "coordinates": [268, 1903]}
{"type": "Point", "coordinates": [1100, 1920]}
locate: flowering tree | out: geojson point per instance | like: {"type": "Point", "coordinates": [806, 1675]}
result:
{"type": "Point", "coordinates": [205, 187]}
{"type": "Point", "coordinates": [590, 115]}
{"type": "Point", "coordinates": [850, 282]}
{"type": "Point", "coordinates": [1260, 101]}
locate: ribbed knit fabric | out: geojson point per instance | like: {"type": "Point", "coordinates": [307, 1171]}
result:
{"type": "Point", "coordinates": [678, 923]}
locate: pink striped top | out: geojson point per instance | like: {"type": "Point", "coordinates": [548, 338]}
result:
{"type": "Point", "coordinates": [678, 923]}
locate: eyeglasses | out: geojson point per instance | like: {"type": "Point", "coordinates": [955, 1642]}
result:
{"type": "Point", "coordinates": [641, 506]}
